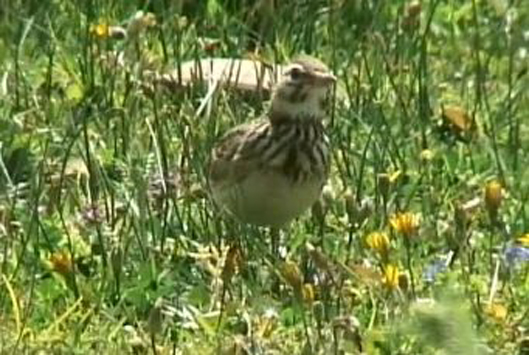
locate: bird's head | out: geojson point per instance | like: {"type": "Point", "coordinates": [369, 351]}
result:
{"type": "Point", "coordinates": [302, 90]}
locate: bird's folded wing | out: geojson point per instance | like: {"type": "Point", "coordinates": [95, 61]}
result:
{"type": "Point", "coordinates": [230, 162]}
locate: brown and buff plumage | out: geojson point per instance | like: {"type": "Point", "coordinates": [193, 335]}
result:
{"type": "Point", "coordinates": [270, 171]}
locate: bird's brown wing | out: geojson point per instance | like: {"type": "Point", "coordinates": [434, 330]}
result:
{"type": "Point", "coordinates": [233, 158]}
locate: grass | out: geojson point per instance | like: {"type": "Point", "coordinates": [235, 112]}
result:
{"type": "Point", "coordinates": [109, 244]}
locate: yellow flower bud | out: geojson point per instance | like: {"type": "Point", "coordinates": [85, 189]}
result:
{"type": "Point", "coordinates": [384, 184]}
{"type": "Point", "coordinates": [493, 196]}
{"type": "Point", "coordinates": [308, 294]}
{"type": "Point", "coordinates": [292, 275]}
{"type": "Point", "coordinates": [391, 277]}
{"type": "Point", "coordinates": [427, 155]}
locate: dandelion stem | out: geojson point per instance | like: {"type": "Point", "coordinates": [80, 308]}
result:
{"type": "Point", "coordinates": [408, 265]}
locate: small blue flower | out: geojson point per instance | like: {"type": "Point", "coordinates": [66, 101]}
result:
{"type": "Point", "coordinates": [433, 269]}
{"type": "Point", "coordinates": [515, 255]}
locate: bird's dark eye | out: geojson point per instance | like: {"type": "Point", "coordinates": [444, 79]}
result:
{"type": "Point", "coordinates": [295, 74]}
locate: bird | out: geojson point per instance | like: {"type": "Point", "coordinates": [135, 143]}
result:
{"type": "Point", "coordinates": [269, 171]}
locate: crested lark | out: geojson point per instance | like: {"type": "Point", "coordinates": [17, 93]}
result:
{"type": "Point", "coordinates": [269, 171]}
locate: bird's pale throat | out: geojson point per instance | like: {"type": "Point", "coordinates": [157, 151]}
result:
{"type": "Point", "coordinates": [299, 103]}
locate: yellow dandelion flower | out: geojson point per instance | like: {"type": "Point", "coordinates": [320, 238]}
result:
{"type": "Point", "coordinates": [524, 240]}
{"type": "Point", "coordinates": [496, 311]}
{"type": "Point", "coordinates": [379, 242]}
{"type": "Point", "coordinates": [61, 263]}
{"type": "Point", "coordinates": [101, 31]}
{"type": "Point", "coordinates": [391, 277]}
{"type": "Point", "coordinates": [493, 196]}
{"type": "Point", "coordinates": [405, 223]}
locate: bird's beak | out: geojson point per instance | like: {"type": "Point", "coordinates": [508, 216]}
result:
{"type": "Point", "coordinates": [324, 79]}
